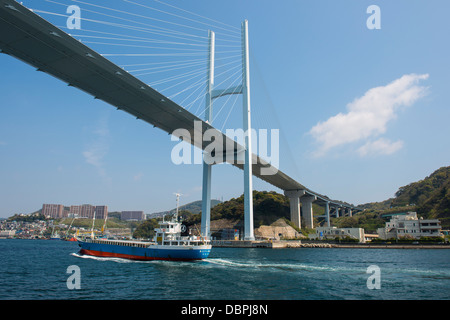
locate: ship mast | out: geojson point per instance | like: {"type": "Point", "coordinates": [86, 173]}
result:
{"type": "Point", "coordinates": [178, 204]}
{"type": "Point", "coordinates": [104, 225]}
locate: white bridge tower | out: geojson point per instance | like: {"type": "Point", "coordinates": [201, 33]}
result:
{"type": "Point", "coordinates": [212, 94]}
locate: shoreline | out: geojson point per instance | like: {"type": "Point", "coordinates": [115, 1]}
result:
{"type": "Point", "coordinates": [297, 244]}
{"type": "Point", "coordinates": [392, 246]}
{"type": "Point", "coordinates": [280, 244]}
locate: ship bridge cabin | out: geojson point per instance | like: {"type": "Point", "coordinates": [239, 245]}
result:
{"type": "Point", "coordinates": [168, 230]}
{"type": "Point", "coordinates": [169, 233]}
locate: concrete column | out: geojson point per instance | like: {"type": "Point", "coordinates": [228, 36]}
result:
{"type": "Point", "coordinates": [206, 200]}
{"type": "Point", "coordinates": [307, 210]}
{"type": "Point", "coordinates": [327, 213]}
{"type": "Point", "coordinates": [337, 212]}
{"type": "Point", "coordinates": [350, 212]}
{"type": "Point", "coordinates": [294, 201]}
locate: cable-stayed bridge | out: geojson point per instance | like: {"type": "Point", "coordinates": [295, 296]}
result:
{"type": "Point", "coordinates": [32, 39]}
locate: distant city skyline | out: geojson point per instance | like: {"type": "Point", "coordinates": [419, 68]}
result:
{"type": "Point", "coordinates": [56, 210]}
{"type": "Point", "coordinates": [361, 111]}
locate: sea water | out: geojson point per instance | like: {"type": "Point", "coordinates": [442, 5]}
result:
{"type": "Point", "coordinates": [44, 270]}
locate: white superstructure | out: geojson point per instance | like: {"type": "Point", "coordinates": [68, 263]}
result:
{"type": "Point", "coordinates": [410, 226]}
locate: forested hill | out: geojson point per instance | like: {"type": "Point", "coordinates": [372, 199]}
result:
{"type": "Point", "coordinates": [436, 204]}
{"type": "Point", "coordinates": [430, 197]}
{"type": "Point", "coordinates": [268, 207]}
{"type": "Point", "coordinates": [420, 192]}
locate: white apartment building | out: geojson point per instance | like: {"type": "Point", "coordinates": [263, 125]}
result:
{"type": "Point", "coordinates": [333, 233]}
{"type": "Point", "coordinates": [409, 226]}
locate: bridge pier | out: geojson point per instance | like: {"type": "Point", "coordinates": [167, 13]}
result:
{"type": "Point", "coordinates": [327, 213]}
{"type": "Point", "coordinates": [346, 212]}
{"type": "Point", "coordinates": [307, 210]}
{"type": "Point", "coordinates": [294, 202]}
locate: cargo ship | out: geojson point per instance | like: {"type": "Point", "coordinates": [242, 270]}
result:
{"type": "Point", "coordinates": [167, 244]}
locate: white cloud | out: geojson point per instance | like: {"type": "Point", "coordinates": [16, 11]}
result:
{"type": "Point", "coordinates": [368, 116]}
{"type": "Point", "coordinates": [381, 146]}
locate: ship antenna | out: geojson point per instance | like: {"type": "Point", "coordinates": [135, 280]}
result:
{"type": "Point", "coordinates": [178, 204]}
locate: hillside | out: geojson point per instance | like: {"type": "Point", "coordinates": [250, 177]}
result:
{"type": "Point", "coordinates": [430, 197]}
{"type": "Point", "coordinates": [437, 206]}
{"type": "Point", "coordinates": [268, 207]}
{"type": "Point", "coordinates": [417, 193]}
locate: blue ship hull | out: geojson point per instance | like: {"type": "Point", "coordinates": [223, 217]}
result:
{"type": "Point", "coordinates": [140, 251]}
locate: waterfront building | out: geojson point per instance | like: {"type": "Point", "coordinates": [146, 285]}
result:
{"type": "Point", "coordinates": [132, 216]}
{"type": "Point", "coordinates": [332, 233]}
{"type": "Point", "coordinates": [369, 237]}
{"type": "Point", "coordinates": [410, 226]}
{"type": "Point", "coordinates": [7, 234]}
{"type": "Point", "coordinates": [53, 210]}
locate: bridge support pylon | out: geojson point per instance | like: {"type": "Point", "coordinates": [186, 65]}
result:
{"type": "Point", "coordinates": [206, 187]}
{"type": "Point", "coordinates": [248, 174]}
{"type": "Point", "coordinates": [337, 212]}
{"type": "Point", "coordinates": [294, 202]}
{"type": "Point", "coordinates": [212, 94]}
{"type": "Point", "coordinates": [327, 213]}
{"type": "Point", "coordinates": [307, 210]}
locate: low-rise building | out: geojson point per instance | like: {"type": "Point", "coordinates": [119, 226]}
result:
{"type": "Point", "coordinates": [332, 233]}
{"type": "Point", "coordinates": [410, 226]}
{"type": "Point", "coordinates": [6, 234]}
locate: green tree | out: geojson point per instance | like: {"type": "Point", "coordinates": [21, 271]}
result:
{"type": "Point", "coordinates": [145, 230]}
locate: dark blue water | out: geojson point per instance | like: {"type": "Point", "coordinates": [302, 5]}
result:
{"type": "Point", "coordinates": [37, 269]}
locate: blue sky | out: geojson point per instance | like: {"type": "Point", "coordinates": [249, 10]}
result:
{"type": "Point", "coordinates": [360, 112]}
